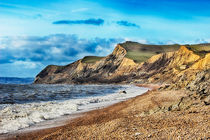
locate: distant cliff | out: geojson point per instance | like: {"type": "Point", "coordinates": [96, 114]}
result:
{"type": "Point", "coordinates": [134, 62]}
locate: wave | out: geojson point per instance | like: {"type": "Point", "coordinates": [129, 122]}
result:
{"type": "Point", "coordinates": [25, 112]}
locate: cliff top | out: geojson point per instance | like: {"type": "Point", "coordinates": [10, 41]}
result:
{"type": "Point", "coordinates": [91, 59]}
{"type": "Point", "coordinates": [142, 52]}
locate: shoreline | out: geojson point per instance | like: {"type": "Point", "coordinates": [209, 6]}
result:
{"type": "Point", "coordinates": [150, 86]}
{"type": "Point", "coordinates": [61, 121]}
{"type": "Point", "coordinates": [74, 122]}
{"type": "Point", "coordinates": [134, 118]}
{"type": "Point", "coordinates": [52, 123]}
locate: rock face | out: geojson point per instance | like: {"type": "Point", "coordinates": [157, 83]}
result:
{"type": "Point", "coordinates": [178, 68]}
{"type": "Point", "coordinates": [201, 86]}
{"type": "Point", "coordinates": [114, 68]}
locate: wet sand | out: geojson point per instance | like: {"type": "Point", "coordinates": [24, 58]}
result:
{"type": "Point", "coordinates": [136, 118]}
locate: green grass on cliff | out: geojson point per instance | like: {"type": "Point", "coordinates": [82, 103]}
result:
{"type": "Point", "coordinates": [139, 57]}
{"type": "Point", "coordinates": [91, 59]}
{"type": "Point", "coordinates": [141, 52]}
{"type": "Point", "coordinates": [200, 49]}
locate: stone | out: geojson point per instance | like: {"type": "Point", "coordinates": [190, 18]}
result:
{"type": "Point", "coordinates": [137, 133]}
{"type": "Point", "coordinates": [183, 67]}
{"type": "Point", "coordinates": [207, 100]}
{"type": "Point", "coordinates": [123, 92]}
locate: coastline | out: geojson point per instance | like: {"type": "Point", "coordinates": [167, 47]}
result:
{"type": "Point", "coordinates": [150, 86]}
{"type": "Point", "coordinates": [134, 118]}
{"type": "Point", "coordinates": [60, 121]}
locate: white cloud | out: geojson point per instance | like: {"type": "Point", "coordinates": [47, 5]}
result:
{"type": "Point", "coordinates": [35, 52]}
{"type": "Point", "coordinates": [56, 50]}
{"type": "Point", "coordinates": [27, 64]}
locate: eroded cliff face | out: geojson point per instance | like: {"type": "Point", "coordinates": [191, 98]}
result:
{"type": "Point", "coordinates": [114, 68]}
{"type": "Point", "coordinates": [182, 69]}
{"type": "Point", "coordinates": [178, 68]}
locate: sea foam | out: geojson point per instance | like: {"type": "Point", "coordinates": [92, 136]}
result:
{"type": "Point", "coordinates": [36, 103]}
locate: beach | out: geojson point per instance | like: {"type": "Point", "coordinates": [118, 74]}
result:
{"type": "Point", "coordinates": [146, 116]}
{"type": "Point", "coordinates": [104, 70]}
{"type": "Point", "coordinates": [37, 107]}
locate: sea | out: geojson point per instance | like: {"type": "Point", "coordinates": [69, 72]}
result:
{"type": "Point", "coordinates": [23, 104]}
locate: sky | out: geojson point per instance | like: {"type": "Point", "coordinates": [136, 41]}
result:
{"type": "Point", "coordinates": [37, 33]}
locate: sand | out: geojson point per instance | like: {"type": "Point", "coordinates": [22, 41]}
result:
{"type": "Point", "coordinates": [143, 117]}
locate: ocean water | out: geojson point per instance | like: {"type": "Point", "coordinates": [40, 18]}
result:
{"type": "Point", "coordinates": [15, 80]}
{"type": "Point", "coordinates": [22, 106]}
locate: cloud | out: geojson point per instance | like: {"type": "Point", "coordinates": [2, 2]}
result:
{"type": "Point", "coordinates": [26, 64]}
{"type": "Point", "coordinates": [127, 24]}
{"type": "Point", "coordinates": [201, 40]}
{"type": "Point", "coordinates": [22, 53]}
{"type": "Point", "coordinates": [91, 21]}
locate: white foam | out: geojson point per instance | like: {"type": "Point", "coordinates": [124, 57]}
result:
{"type": "Point", "coordinates": [18, 116]}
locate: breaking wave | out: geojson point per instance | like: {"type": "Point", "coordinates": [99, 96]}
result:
{"type": "Point", "coordinates": [24, 105]}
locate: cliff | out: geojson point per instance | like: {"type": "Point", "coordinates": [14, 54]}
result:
{"type": "Point", "coordinates": [159, 64]}
{"type": "Point", "coordinates": [109, 69]}
{"type": "Point", "coordinates": [179, 66]}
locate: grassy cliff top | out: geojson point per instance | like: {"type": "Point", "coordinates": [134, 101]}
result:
{"type": "Point", "coordinates": [91, 59]}
{"type": "Point", "coordinates": [199, 49]}
{"type": "Point", "coordinates": [141, 52]}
